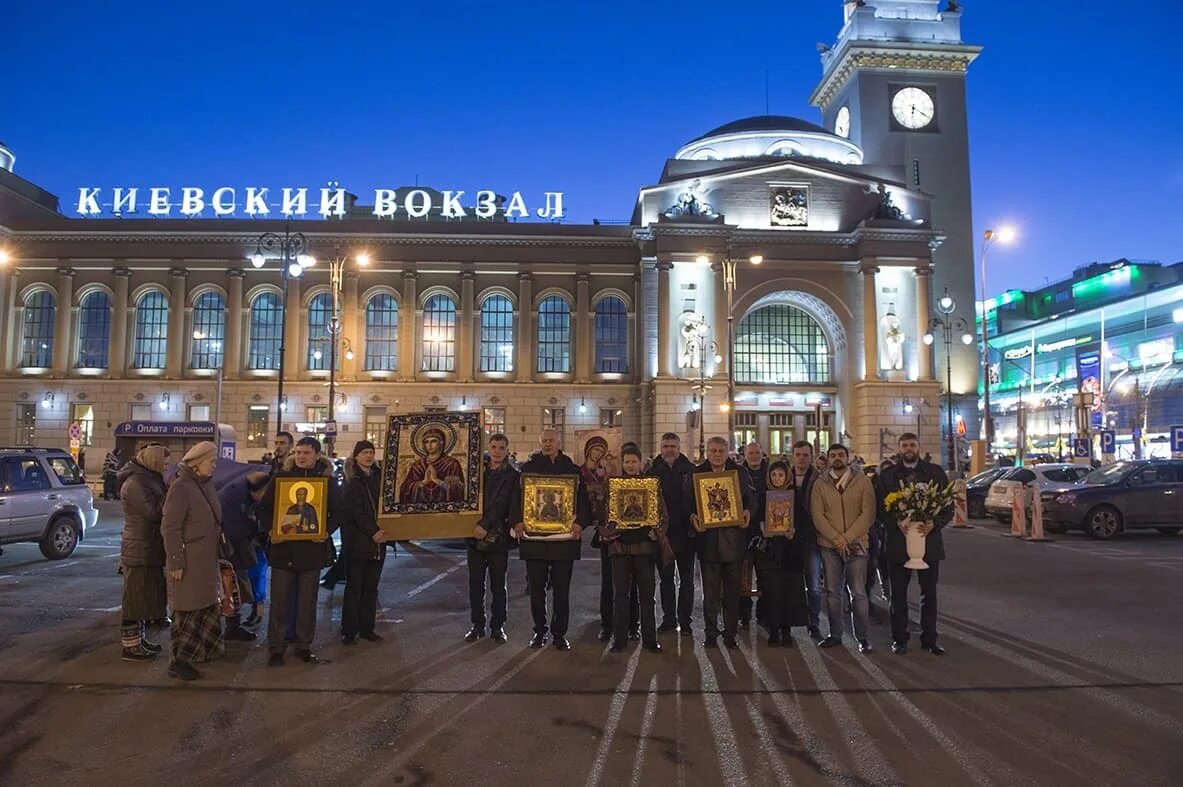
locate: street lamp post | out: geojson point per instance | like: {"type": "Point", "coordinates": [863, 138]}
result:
{"type": "Point", "coordinates": [728, 266]}
{"type": "Point", "coordinates": [947, 323]}
{"type": "Point", "coordinates": [292, 248]}
{"type": "Point", "coordinates": [336, 277]}
{"type": "Point", "coordinates": [990, 237]}
{"type": "Point", "coordinates": [699, 347]}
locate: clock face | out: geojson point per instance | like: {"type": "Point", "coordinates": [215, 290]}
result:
{"type": "Point", "coordinates": [913, 108]}
{"type": "Point", "coordinates": [842, 123]}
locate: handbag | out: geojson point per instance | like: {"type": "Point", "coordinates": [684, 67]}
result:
{"type": "Point", "coordinates": [230, 599]}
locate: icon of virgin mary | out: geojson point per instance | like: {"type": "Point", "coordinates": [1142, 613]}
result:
{"type": "Point", "coordinates": [434, 477]}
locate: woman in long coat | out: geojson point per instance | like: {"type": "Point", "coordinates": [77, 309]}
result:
{"type": "Point", "coordinates": [141, 557]}
{"type": "Point", "coordinates": [192, 530]}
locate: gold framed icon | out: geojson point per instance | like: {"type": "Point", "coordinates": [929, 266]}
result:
{"type": "Point", "coordinates": [778, 512]}
{"type": "Point", "coordinates": [718, 498]}
{"type": "Point", "coordinates": [301, 509]}
{"type": "Point", "coordinates": [632, 502]}
{"type": "Point", "coordinates": [548, 504]}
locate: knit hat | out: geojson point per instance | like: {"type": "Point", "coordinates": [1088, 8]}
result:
{"type": "Point", "coordinates": [199, 453]}
{"type": "Point", "coordinates": [153, 456]}
{"type": "Point", "coordinates": [361, 445]}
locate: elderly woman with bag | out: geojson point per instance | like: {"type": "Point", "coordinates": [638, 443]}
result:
{"type": "Point", "coordinates": [192, 532]}
{"type": "Point", "coordinates": [141, 553]}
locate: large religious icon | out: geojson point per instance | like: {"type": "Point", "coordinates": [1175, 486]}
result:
{"type": "Point", "coordinates": [718, 498]}
{"type": "Point", "coordinates": [301, 509]}
{"type": "Point", "coordinates": [431, 480]}
{"type": "Point", "coordinates": [788, 206]}
{"type": "Point", "coordinates": [632, 502]}
{"type": "Point", "coordinates": [778, 513]}
{"type": "Point", "coordinates": [548, 505]}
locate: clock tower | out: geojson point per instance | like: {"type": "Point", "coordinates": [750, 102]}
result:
{"type": "Point", "coordinates": [894, 84]}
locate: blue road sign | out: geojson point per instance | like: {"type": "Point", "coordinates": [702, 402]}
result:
{"type": "Point", "coordinates": [1108, 442]}
{"type": "Point", "coordinates": [1080, 447]}
{"type": "Point", "coordinates": [1176, 439]}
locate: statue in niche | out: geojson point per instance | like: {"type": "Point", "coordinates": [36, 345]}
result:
{"type": "Point", "coordinates": [890, 328]}
{"type": "Point", "coordinates": [886, 209]}
{"type": "Point", "coordinates": [691, 202]}
{"type": "Point", "coordinates": [692, 331]}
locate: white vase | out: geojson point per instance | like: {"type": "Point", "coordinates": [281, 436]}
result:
{"type": "Point", "coordinates": [916, 542]}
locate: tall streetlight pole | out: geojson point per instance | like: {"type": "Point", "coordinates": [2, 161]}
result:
{"type": "Point", "coordinates": [292, 248]}
{"type": "Point", "coordinates": [336, 276]}
{"type": "Point", "coordinates": [990, 237]}
{"type": "Point", "coordinates": [728, 265]}
{"type": "Point", "coordinates": [947, 323]}
{"type": "Point", "coordinates": [699, 346]}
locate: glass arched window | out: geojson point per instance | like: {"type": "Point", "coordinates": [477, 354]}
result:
{"type": "Point", "coordinates": [151, 342]}
{"type": "Point", "coordinates": [611, 335]}
{"type": "Point", "coordinates": [320, 310]}
{"type": "Point", "coordinates": [554, 335]}
{"type": "Point", "coordinates": [382, 333]}
{"type": "Point", "coordinates": [266, 328]}
{"type": "Point", "coordinates": [37, 330]}
{"type": "Point", "coordinates": [209, 331]}
{"type": "Point", "coordinates": [94, 330]}
{"type": "Point", "coordinates": [781, 344]}
{"type": "Point", "coordinates": [496, 334]}
{"type": "Point", "coordinates": [439, 334]}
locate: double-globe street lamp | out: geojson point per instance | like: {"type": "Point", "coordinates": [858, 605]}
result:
{"type": "Point", "coordinates": [948, 325]}
{"type": "Point", "coordinates": [700, 349]}
{"type": "Point", "coordinates": [336, 277]}
{"type": "Point", "coordinates": [1005, 236]}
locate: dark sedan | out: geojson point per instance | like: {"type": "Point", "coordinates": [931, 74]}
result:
{"type": "Point", "coordinates": [1120, 497]}
{"type": "Point", "coordinates": [976, 489]}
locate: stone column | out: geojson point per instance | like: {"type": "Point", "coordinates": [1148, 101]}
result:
{"type": "Point", "coordinates": [923, 310]}
{"type": "Point", "coordinates": [179, 342]}
{"type": "Point", "coordinates": [62, 320]}
{"type": "Point", "coordinates": [407, 325]}
{"type": "Point", "coordinates": [719, 326]}
{"type": "Point", "coordinates": [294, 351]}
{"type": "Point", "coordinates": [636, 329]}
{"type": "Point", "coordinates": [120, 316]}
{"type": "Point", "coordinates": [11, 347]}
{"type": "Point", "coordinates": [584, 336]}
{"type": "Point", "coordinates": [353, 325]}
{"type": "Point", "coordinates": [664, 319]}
{"type": "Point", "coordinates": [525, 327]}
{"type": "Point", "coordinates": [465, 335]}
{"type": "Point", "coordinates": [870, 325]}
{"type": "Point", "coordinates": [232, 346]}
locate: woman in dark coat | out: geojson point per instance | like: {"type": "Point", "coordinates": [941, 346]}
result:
{"type": "Point", "coordinates": [141, 558]}
{"type": "Point", "coordinates": [364, 545]}
{"type": "Point", "coordinates": [192, 530]}
{"type": "Point", "coordinates": [780, 567]}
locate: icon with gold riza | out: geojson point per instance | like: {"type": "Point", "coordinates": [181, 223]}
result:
{"type": "Point", "coordinates": [300, 509]}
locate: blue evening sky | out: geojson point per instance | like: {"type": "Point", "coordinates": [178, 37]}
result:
{"type": "Point", "coordinates": [1075, 106]}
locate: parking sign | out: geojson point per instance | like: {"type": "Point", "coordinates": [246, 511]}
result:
{"type": "Point", "coordinates": [1177, 440]}
{"type": "Point", "coordinates": [1080, 447]}
{"type": "Point", "coordinates": [1108, 442]}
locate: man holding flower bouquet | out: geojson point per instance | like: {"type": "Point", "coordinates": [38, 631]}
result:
{"type": "Point", "coordinates": [913, 476]}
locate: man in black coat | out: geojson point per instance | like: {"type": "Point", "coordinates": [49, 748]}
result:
{"type": "Point", "coordinates": [363, 545]}
{"type": "Point", "coordinates": [721, 550]}
{"type": "Point", "coordinates": [672, 468]}
{"type": "Point", "coordinates": [756, 464]}
{"type": "Point", "coordinates": [488, 549]}
{"type": "Point", "coordinates": [911, 469]}
{"type": "Point", "coordinates": [551, 562]}
{"type": "Point", "coordinates": [296, 565]}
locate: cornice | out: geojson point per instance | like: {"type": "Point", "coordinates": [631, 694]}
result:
{"type": "Point", "coordinates": [862, 55]}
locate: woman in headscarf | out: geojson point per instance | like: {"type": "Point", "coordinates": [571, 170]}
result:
{"type": "Point", "coordinates": [141, 558]}
{"type": "Point", "coordinates": [192, 529]}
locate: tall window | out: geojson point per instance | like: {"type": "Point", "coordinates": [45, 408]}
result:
{"type": "Point", "coordinates": [257, 416]}
{"type": "Point", "coordinates": [209, 331]}
{"type": "Point", "coordinates": [26, 424]}
{"type": "Point", "coordinates": [94, 330]}
{"type": "Point", "coordinates": [554, 335]}
{"type": "Point", "coordinates": [320, 309]}
{"type": "Point", "coordinates": [611, 335]}
{"type": "Point", "coordinates": [611, 416]}
{"type": "Point", "coordinates": [266, 328]}
{"type": "Point", "coordinates": [494, 422]}
{"type": "Point", "coordinates": [781, 344]}
{"type": "Point", "coordinates": [83, 415]}
{"type": "Point", "coordinates": [375, 426]}
{"type": "Point", "coordinates": [554, 418]}
{"type": "Point", "coordinates": [37, 331]}
{"type": "Point", "coordinates": [496, 334]}
{"type": "Point", "coordinates": [382, 333]}
{"type": "Point", "coordinates": [439, 334]}
{"type": "Point", "coordinates": [151, 346]}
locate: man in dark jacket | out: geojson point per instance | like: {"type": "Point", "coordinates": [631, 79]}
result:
{"type": "Point", "coordinates": [488, 549]}
{"type": "Point", "coordinates": [757, 466]}
{"type": "Point", "coordinates": [240, 500]}
{"type": "Point", "coordinates": [721, 550]}
{"type": "Point", "coordinates": [296, 565]}
{"type": "Point", "coordinates": [283, 447]}
{"type": "Point", "coordinates": [551, 562]}
{"type": "Point", "coordinates": [672, 468]}
{"type": "Point", "coordinates": [363, 544]}
{"type": "Point", "coordinates": [911, 469]}
{"type": "Point", "coordinates": [804, 472]}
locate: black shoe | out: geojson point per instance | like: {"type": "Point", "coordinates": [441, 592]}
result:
{"type": "Point", "coordinates": [253, 618]}
{"type": "Point", "coordinates": [899, 648]}
{"type": "Point", "coordinates": [308, 657]}
{"type": "Point", "coordinates": [137, 654]}
{"type": "Point", "coordinates": [275, 660]}
{"type": "Point", "coordinates": [830, 642]}
{"type": "Point", "coordinates": [786, 639]}
{"type": "Point", "coordinates": [538, 641]}
{"type": "Point", "coordinates": [183, 670]}
{"type": "Point", "coordinates": [605, 635]}
{"type": "Point", "coordinates": [498, 636]}
{"type": "Point", "coordinates": [685, 631]}
{"type": "Point", "coordinates": [710, 642]}
{"type": "Point", "coordinates": [328, 584]}
{"type": "Point", "coordinates": [561, 643]}
{"type": "Point", "coordinates": [239, 634]}
{"type": "Point", "coordinates": [371, 636]}
{"type": "Point", "coordinates": [653, 647]}
{"type": "Point", "coordinates": [668, 625]}
{"type": "Point", "coordinates": [934, 649]}
{"type": "Point", "coordinates": [730, 642]}
{"type": "Point", "coordinates": [774, 638]}
{"type": "Point", "coordinates": [864, 646]}
{"type": "Point", "coordinates": [151, 647]}
{"type": "Point", "coordinates": [634, 634]}
{"type": "Point", "coordinates": [815, 634]}
{"type": "Point", "coordinates": [474, 634]}
{"type": "Point", "coordinates": [348, 639]}
{"type": "Point", "coordinates": [617, 647]}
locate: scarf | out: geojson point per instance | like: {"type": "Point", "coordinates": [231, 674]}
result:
{"type": "Point", "coordinates": [841, 482]}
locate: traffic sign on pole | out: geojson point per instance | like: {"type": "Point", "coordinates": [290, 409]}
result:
{"type": "Point", "coordinates": [1177, 442]}
{"type": "Point", "coordinates": [1081, 451]}
{"type": "Point", "coordinates": [1108, 444]}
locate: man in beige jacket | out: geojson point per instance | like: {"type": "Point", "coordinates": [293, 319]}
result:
{"type": "Point", "coordinates": [843, 509]}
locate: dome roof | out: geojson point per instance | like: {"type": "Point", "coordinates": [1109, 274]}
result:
{"type": "Point", "coordinates": [765, 123]}
{"type": "Point", "coordinates": [777, 136]}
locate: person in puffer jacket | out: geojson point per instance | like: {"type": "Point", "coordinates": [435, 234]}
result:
{"type": "Point", "coordinates": [141, 553]}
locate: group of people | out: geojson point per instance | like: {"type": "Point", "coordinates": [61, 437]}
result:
{"type": "Point", "coordinates": [199, 549]}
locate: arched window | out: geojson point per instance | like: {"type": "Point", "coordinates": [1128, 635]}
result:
{"type": "Point", "coordinates": [320, 310]}
{"type": "Point", "coordinates": [382, 333]}
{"type": "Point", "coordinates": [611, 335]}
{"type": "Point", "coordinates": [266, 328]}
{"type": "Point", "coordinates": [209, 331]}
{"type": "Point", "coordinates": [151, 341]}
{"type": "Point", "coordinates": [37, 330]}
{"type": "Point", "coordinates": [496, 334]}
{"type": "Point", "coordinates": [554, 335]}
{"type": "Point", "coordinates": [439, 334]}
{"type": "Point", "coordinates": [781, 344]}
{"type": "Point", "coordinates": [94, 330]}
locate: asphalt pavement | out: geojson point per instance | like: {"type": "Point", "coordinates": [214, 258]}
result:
{"type": "Point", "coordinates": [1062, 669]}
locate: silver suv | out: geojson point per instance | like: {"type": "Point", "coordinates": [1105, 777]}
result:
{"type": "Point", "coordinates": [44, 499]}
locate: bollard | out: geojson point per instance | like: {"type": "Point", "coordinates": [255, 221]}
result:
{"type": "Point", "coordinates": [1018, 514]}
{"type": "Point", "coordinates": [1037, 518]}
{"type": "Point", "coordinates": [961, 505]}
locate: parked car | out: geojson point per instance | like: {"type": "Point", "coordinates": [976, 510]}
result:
{"type": "Point", "coordinates": [1123, 496]}
{"type": "Point", "coordinates": [976, 489]}
{"type": "Point", "coordinates": [44, 499]}
{"type": "Point", "coordinates": [1051, 476]}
